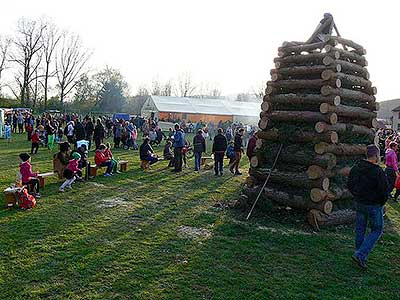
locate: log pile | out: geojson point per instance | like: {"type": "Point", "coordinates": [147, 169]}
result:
{"type": "Point", "coordinates": [320, 104]}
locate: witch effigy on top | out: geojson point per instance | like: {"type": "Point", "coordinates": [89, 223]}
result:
{"type": "Point", "coordinates": [318, 115]}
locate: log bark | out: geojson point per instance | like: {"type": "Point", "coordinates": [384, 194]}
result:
{"type": "Point", "coordinates": [318, 219]}
{"type": "Point", "coordinates": [300, 116]}
{"type": "Point", "coordinates": [299, 202]}
{"type": "Point", "coordinates": [299, 59]}
{"type": "Point", "coordinates": [347, 111]}
{"type": "Point", "coordinates": [349, 43]}
{"type": "Point", "coordinates": [295, 84]}
{"type": "Point", "coordinates": [333, 194]}
{"type": "Point", "coordinates": [350, 68]}
{"type": "Point", "coordinates": [347, 94]}
{"type": "Point", "coordinates": [289, 49]}
{"type": "Point", "coordinates": [371, 123]}
{"type": "Point", "coordinates": [347, 55]}
{"type": "Point", "coordinates": [346, 79]}
{"type": "Point", "coordinates": [321, 127]}
{"type": "Point", "coordinates": [315, 172]}
{"type": "Point", "coordinates": [296, 99]}
{"type": "Point", "coordinates": [284, 73]}
{"type": "Point", "coordinates": [340, 149]}
{"type": "Point", "coordinates": [263, 123]}
{"type": "Point", "coordinates": [294, 179]}
{"type": "Point", "coordinates": [299, 136]}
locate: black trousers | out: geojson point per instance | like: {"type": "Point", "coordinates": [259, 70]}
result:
{"type": "Point", "coordinates": [34, 148]}
{"type": "Point", "coordinates": [178, 159]}
{"type": "Point", "coordinates": [391, 178]}
{"type": "Point", "coordinates": [218, 163]}
{"type": "Point", "coordinates": [33, 185]}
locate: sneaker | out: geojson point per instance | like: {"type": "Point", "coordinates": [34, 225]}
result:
{"type": "Point", "coordinates": [61, 190]}
{"type": "Point", "coordinates": [107, 175]}
{"type": "Point", "coordinates": [37, 195]}
{"type": "Point", "coordinates": [359, 262]}
{"type": "Point", "coordinates": [216, 174]}
{"type": "Point", "coordinates": [118, 172]}
{"type": "Point", "coordinates": [238, 173]}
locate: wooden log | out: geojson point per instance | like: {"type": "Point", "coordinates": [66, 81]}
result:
{"type": "Point", "coordinates": [284, 73]}
{"type": "Point", "coordinates": [250, 181]}
{"type": "Point", "coordinates": [298, 136]}
{"type": "Point", "coordinates": [295, 84]}
{"type": "Point", "coordinates": [347, 94]}
{"type": "Point", "coordinates": [315, 172]}
{"type": "Point", "coordinates": [321, 127]}
{"type": "Point", "coordinates": [347, 55]}
{"type": "Point", "coordinates": [371, 123]}
{"type": "Point", "coordinates": [265, 106]}
{"type": "Point", "coordinates": [336, 193]}
{"type": "Point", "coordinates": [306, 58]}
{"type": "Point", "coordinates": [294, 179]}
{"type": "Point", "coordinates": [345, 42]}
{"type": "Point", "coordinates": [298, 202]}
{"type": "Point", "coordinates": [319, 219]}
{"type": "Point", "coordinates": [340, 149]}
{"type": "Point", "coordinates": [346, 79]}
{"type": "Point", "coordinates": [300, 116]}
{"type": "Point", "coordinates": [296, 99]}
{"type": "Point", "coordinates": [263, 123]}
{"type": "Point", "coordinates": [350, 68]}
{"type": "Point", "coordinates": [347, 111]}
{"type": "Point", "coordinates": [288, 49]}
{"type": "Point", "coordinates": [254, 161]}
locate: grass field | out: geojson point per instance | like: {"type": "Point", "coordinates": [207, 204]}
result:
{"type": "Point", "coordinates": [122, 238]}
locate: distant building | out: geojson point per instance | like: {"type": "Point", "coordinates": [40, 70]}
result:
{"type": "Point", "coordinates": [201, 109]}
{"type": "Point", "coordinates": [396, 118]}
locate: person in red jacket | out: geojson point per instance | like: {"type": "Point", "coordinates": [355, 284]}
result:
{"type": "Point", "coordinates": [72, 172]}
{"type": "Point", "coordinates": [102, 160]}
{"type": "Point", "coordinates": [28, 177]}
{"type": "Point", "coordinates": [251, 146]}
{"type": "Point", "coordinates": [35, 142]}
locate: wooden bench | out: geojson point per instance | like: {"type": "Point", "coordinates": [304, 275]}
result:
{"type": "Point", "coordinates": [10, 197]}
{"type": "Point", "coordinates": [93, 170]}
{"type": "Point", "coordinates": [123, 165]}
{"type": "Point", "coordinates": [42, 178]}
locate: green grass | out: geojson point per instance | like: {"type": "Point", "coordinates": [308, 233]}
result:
{"type": "Point", "coordinates": [72, 247]}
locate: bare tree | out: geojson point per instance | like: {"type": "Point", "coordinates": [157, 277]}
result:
{"type": "Point", "coordinates": [167, 89]}
{"type": "Point", "coordinates": [259, 91]}
{"type": "Point", "coordinates": [50, 38]}
{"type": "Point", "coordinates": [27, 54]}
{"type": "Point", "coordinates": [142, 91]}
{"type": "Point", "coordinates": [156, 88]}
{"type": "Point", "coordinates": [186, 87]}
{"type": "Point", "coordinates": [210, 90]}
{"type": "Point", "coordinates": [4, 47]}
{"type": "Point", "coordinates": [70, 62]}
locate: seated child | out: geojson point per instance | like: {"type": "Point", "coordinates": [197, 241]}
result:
{"type": "Point", "coordinates": [28, 177]}
{"type": "Point", "coordinates": [102, 160]}
{"type": "Point", "coordinates": [83, 162]}
{"type": "Point", "coordinates": [146, 152]}
{"type": "Point", "coordinates": [71, 172]}
{"type": "Point", "coordinates": [109, 154]}
{"type": "Point", "coordinates": [169, 153]}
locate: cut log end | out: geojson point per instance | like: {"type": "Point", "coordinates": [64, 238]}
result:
{"type": "Point", "coordinates": [254, 162]}
{"type": "Point", "coordinates": [265, 106]}
{"type": "Point", "coordinates": [317, 195]}
{"type": "Point", "coordinates": [333, 118]}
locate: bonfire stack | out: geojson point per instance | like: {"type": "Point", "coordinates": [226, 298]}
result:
{"type": "Point", "coordinates": [320, 105]}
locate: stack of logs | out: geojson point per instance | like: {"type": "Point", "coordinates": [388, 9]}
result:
{"type": "Point", "coordinates": [320, 105]}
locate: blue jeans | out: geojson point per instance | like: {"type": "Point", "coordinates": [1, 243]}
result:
{"type": "Point", "coordinates": [197, 160]}
{"type": "Point", "coordinates": [372, 214]}
{"type": "Point", "coordinates": [151, 159]}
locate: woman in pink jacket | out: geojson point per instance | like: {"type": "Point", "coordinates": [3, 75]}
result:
{"type": "Point", "coordinates": [392, 167]}
{"type": "Point", "coordinates": [27, 176]}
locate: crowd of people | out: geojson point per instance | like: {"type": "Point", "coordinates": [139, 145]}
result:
{"type": "Point", "coordinates": [76, 136]}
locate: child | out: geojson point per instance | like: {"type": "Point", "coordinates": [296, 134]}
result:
{"type": "Point", "coordinates": [7, 132]}
{"type": "Point", "coordinates": [35, 142]}
{"type": "Point", "coordinates": [27, 176]}
{"type": "Point", "coordinates": [71, 172]}
{"type": "Point", "coordinates": [102, 160]}
{"type": "Point", "coordinates": [110, 156]}
{"type": "Point", "coordinates": [169, 153]}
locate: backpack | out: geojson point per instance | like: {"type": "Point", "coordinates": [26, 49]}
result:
{"type": "Point", "coordinates": [25, 200]}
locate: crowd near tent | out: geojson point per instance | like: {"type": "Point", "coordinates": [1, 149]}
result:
{"type": "Point", "coordinates": [201, 109]}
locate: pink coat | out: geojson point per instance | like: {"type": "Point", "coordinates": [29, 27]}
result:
{"type": "Point", "coordinates": [26, 172]}
{"type": "Point", "coordinates": [73, 165]}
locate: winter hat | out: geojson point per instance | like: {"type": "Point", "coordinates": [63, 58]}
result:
{"type": "Point", "coordinates": [24, 157]}
{"type": "Point", "coordinates": [76, 155]}
{"type": "Point", "coordinates": [372, 151]}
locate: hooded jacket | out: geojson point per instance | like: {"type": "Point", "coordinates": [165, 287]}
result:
{"type": "Point", "coordinates": [368, 184]}
{"type": "Point", "coordinates": [26, 172]}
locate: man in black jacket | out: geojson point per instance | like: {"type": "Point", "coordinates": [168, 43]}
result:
{"type": "Point", "coordinates": [146, 152]}
{"type": "Point", "coordinates": [368, 184]}
{"type": "Point", "coordinates": [218, 148]}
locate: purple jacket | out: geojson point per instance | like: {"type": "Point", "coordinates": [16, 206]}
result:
{"type": "Point", "coordinates": [391, 159]}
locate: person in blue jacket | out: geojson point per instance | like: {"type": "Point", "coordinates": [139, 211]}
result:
{"type": "Point", "coordinates": [179, 143]}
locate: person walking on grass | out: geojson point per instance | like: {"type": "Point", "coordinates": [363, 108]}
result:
{"type": "Point", "coordinates": [199, 145]}
{"type": "Point", "coordinates": [238, 148]}
{"type": "Point", "coordinates": [179, 143]}
{"type": "Point", "coordinates": [218, 149]}
{"type": "Point", "coordinates": [368, 184]}
{"type": "Point", "coordinates": [392, 168]}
